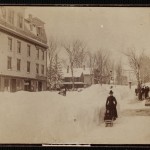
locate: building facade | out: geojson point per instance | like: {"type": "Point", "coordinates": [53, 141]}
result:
{"type": "Point", "coordinates": [23, 51]}
{"type": "Point", "coordinates": [83, 77]}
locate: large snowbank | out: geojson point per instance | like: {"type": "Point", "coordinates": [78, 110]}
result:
{"type": "Point", "coordinates": [47, 117]}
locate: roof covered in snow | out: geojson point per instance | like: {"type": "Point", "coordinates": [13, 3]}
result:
{"type": "Point", "coordinates": [76, 71]}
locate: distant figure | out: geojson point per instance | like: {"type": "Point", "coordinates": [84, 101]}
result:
{"type": "Point", "coordinates": [146, 92]}
{"type": "Point", "coordinates": [65, 91]}
{"type": "Point", "coordinates": [136, 91]}
{"type": "Point", "coordinates": [111, 104]}
{"type": "Point", "coordinates": [140, 93]}
{"type": "Point", "coordinates": [111, 87]}
{"type": "Point", "coordinates": [143, 92]}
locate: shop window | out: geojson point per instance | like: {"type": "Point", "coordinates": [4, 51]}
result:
{"type": "Point", "coordinates": [6, 84]}
{"type": "Point", "coordinates": [18, 84]}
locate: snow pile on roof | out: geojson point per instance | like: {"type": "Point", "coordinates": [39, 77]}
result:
{"type": "Point", "coordinates": [76, 72]}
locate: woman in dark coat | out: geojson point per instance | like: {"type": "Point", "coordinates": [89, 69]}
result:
{"type": "Point", "coordinates": [111, 104]}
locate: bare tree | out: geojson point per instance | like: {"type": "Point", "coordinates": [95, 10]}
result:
{"type": "Point", "coordinates": [79, 53]}
{"type": "Point", "coordinates": [102, 65]}
{"type": "Point", "coordinates": [91, 62]}
{"type": "Point", "coordinates": [118, 70]}
{"type": "Point", "coordinates": [145, 69]}
{"type": "Point", "coordinates": [135, 62]}
{"type": "Point", "coordinates": [76, 54]}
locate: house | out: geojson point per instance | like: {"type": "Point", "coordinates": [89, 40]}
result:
{"type": "Point", "coordinates": [82, 77]}
{"type": "Point", "coordinates": [23, 51]}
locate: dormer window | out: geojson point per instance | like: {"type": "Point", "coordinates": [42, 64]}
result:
{"type": "Point", "coordinates": [31, 27]}
{"type": "Point", "coordinates": [3, 12]}
{"type": "Point", "coordinates": [11, 16]}
{"type": "Point", "coordinates": [39, 31]}
{"type": "Point", "coordinates": [20, 21]}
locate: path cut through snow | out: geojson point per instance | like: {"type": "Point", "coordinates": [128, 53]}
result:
{"type": "Point", "coordinates": [47, 117]}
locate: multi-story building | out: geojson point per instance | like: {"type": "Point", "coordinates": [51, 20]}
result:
{"type": "Point", "coordinates": [23, 51]}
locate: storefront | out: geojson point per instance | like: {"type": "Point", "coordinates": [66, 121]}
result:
{"type": "Point", "coordinates": [13, 84]}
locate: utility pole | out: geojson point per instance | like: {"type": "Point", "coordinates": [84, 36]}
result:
{"type": "Point", "coordinates": [56, 76]}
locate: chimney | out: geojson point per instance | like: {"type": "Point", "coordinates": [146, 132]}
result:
{"type": "Point", "coordinates": [68, 69]}
{"type": "Point", "coordinates": [83, 67]}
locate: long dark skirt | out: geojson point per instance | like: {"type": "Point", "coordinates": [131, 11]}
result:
{"type": "Point", "coordinates": [113, 111]}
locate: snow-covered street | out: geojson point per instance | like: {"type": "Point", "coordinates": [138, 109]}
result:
{"type": "Point", "coordinates": [47, 117]}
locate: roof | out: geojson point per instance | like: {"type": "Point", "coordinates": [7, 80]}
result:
{"type": "Point", "coordinates": [71, 83]}
{"type": "Point", "coordinates": [76, 71]}
{"type": "Point", "coordinates": [35, 21]}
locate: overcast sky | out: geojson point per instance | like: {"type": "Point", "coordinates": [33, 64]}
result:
{"type": "Point", "coordinates": [112, 28]}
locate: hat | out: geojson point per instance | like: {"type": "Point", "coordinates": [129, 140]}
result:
{"type": "Point", "coordinates": [111, 92]}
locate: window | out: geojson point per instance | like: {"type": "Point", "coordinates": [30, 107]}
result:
{"type": "Point", "coordinates": [3, 12]}
{"type": "Point", "coordinates": [18, 64]}
{"type": "Point", "coordinates": [9, 63]}
{"type": "Point", "coordinates": [28, 50]}
{"type": "Point", "coordinates": [20, 21]}
{"type": "Point", "coordinates": [42, 69]}
{"type": "Point", "coordinates": [42, 55]}
{"type": "Point", "coordinates": [18, 47]}
{"type": "Point", "coordinates": [10, 44]}
{"type": "Point", "coordinates": [37, 54]}
{"type": "Point", "coordinates": [11, 16]}
{"type": "Point", "coordinates": [37, 68]}
{"type": "Point", "coordinates": [31, 27]}
{"type": "Point", "coordinates": [39, 31]}
{"type": "Point", "coordinates": [28, 66]}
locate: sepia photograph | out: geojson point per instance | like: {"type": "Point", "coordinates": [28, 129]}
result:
{"type": "Point", "coordinates": [74, 75]}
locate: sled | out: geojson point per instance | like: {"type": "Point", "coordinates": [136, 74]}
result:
{"type": "Point", "coordinates": [108, 123]}
{"type": "Point", "coordinates": [62, 92]}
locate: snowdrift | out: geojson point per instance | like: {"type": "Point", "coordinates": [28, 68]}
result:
{"type": "Point", "coordinates": [47, 117]}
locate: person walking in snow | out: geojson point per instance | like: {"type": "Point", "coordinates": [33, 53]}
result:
{"type": "Point", "coordinates": [139, 92]}
{"type": "Point", "coordinates": [65, 91]}
{"type": "Point", "coordinates": [146, 92]}
{"type": "Point", "coordinates": [136, 91]}
{"type": "Point", "coordinates": [143, 92]}
{"type": "Point", "coordinates": [111, 104]}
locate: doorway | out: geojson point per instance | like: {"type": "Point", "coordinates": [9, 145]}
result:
{"type": "Point", "coordinates": [13, 85]}
{"type": "Point", "coordinates": [39, 86]}
{"type": "Point", "coordinates": [27, 85]}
